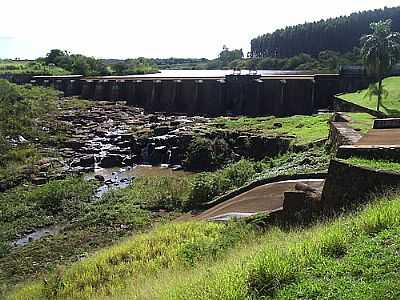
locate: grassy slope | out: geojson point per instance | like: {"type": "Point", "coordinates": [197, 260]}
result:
{"type": "Point", "coordinates": [390, 105]}
{"type": "Point", "coordinates": [361, 121]}
{"type": "Point", "coordinates": [378, 164]}
{"type": "Point", "coordinates": [353, 257]}
{"type": "Point", "coordinates": [179, 245]}
{"type": "Point", "coordinates": [305, 129]}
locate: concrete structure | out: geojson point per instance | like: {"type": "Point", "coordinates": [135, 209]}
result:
{"type": "Point", "coordinates": [249, 94]}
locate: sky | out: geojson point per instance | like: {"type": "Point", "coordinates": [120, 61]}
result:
{"type": "Point", "coordinates": [154, 28]}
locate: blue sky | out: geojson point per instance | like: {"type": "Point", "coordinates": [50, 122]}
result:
{"type": "Point", "coordinates": [154, 28]}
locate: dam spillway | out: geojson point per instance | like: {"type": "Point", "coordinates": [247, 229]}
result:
{"type": "Point", "coordinates": [213, 93]}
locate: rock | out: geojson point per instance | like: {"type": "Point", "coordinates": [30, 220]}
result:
{"type": "Point", "coordinates": [153, 119]}
{"type": "Point", "coordinates": [109, 181]}
{"type": "Point", "coordinates": [84, 162]}
{"type": "Point", "coordinates": [99, 178]}
{"type": "Point", "coordinates": [39, 180]}
{"type": "Point", "coordinates": [159, 155]}
{"type": "Point", "coordinates": [176, 168]}
{"type": "Point", "coordinates": [305, 161]}
{"type": "Point", "coordinates": [162, 130]}
{"type": "Point", "coordinates": [131, 160]}
{"type": "Point", "coordinates": [112, 160]}
{"type": "Point", "coordinates": [74, 144]}
{"type": "Point", "coordinates": [304, 187]}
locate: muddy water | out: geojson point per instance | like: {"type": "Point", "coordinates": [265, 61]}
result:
{"type": "Point", "coordinates": [121, 177]}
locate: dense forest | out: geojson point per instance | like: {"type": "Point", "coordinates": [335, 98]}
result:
{"type": "Point", "coordinates": [340, 34]}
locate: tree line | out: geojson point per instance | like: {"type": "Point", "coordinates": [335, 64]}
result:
{"type": "Point", "coordinates": [84, 65]}
{"type": "Point", "coordinates": [340, 34]}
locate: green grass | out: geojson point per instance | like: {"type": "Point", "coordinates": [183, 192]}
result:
{"type": "Point", "coordinates": [304, 129]}
{"type": "Point", "coordinates": [361, 121]}
{"type": "Point", "coordinates": [390, 105]}
{"type": "Point", "coordinates": [179, 245]}
{"type": "Point", "coordinates": [352, 257]}
{"type": "Point", "coordinates": [378, 164]}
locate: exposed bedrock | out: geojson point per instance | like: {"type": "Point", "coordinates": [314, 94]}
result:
{"type": "Point", "coordinates": [116, 135]}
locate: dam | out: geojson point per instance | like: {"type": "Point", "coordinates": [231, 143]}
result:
{"type": "Point", "coordinates": [213, 92]}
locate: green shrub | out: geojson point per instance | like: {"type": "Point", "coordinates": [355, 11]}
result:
{"type": "Point", "coordinates": [65, 196]}
{"type": "Point", "coordinates": [206, 186]}
{"type": "Point", "coordinates": [204, 154]}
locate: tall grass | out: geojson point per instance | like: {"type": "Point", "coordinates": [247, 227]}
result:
{"type": "Point", "coordinates": [352, 257]}
{"type": "Point", "coordinates": [170, 246]}
{"type": "Point", "coordinates": [311, 264]}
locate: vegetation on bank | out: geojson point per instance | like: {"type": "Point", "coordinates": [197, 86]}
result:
{"type": "Point", "coordinates": [168, 247]}
{"type": "Point", "coordinates": [84, 65]}
{"type": "Point", "coordinates": [377, 164]}
{"type": "Point", "coordinates": [304, 129]}
{"type": "Point", "coordinates": [33, 67]}
{"type": "Point", "coordinates": [390, 105]}
{"type": "Point", "coordinates": [21, 111]}
{"type": "Point", "coordinates": [351, 257]}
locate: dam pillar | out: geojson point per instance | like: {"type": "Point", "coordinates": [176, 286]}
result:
{"type": "Point", "coordinates": [176, 94]}
{"type": "Point", "coordinates": [281, 111]}
{"type": "Point", "coordinates": [167, 96]}
{"type": "Point", "coordinates": [88, 89]}
{"type": "Point", "coordinates": [326, 86]}
{"type": "Point", "coordinates": [195, 105]}
{"type": "Point", "coordinates": [154, 100]}
{"type": "Point", "coordinates": [114, 90]}
{"type": "Point", "coordinates": [220, 97]}
{"type": "Point", "coordinates": [99, 90]}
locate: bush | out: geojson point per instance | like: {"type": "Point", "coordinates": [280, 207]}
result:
{"type": "Point", "coordinates": [204, 154]}
{"type": "Point", "coordinates": [206, 186]}
{"type": "Point", "coordinates": [65, 196]}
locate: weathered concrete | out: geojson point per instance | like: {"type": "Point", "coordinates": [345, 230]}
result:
{"type": "Point", "coordinates": [347, 185]}
{"type": "Point", "coordinates": [280, 95]}
{"type": "Point", "coordinates": [342, 105]}
{"type": "Point", "coordinates": [386, 123]}
{"type": "Point", "coordinates": [377, 143]}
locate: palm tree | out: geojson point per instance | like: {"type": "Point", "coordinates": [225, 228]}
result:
{"type": "Point", "coordinates": [380, 52]}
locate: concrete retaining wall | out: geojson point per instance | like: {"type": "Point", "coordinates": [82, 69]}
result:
{"type": "Point", "coordinates": [346, 184]}
{"type": "Point", "coordinates": [346, 106]}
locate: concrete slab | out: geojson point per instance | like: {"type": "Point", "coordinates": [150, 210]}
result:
{"type": "Point", "coordinates": [265, 198]}
{"type": "Point", "coordinates": [380, 137]}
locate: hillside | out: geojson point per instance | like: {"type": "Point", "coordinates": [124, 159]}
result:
{"type": "Point", "coordinates": [390, 104]}
{"type": "Point", "coordinates": [352, 257]}
{"type": "Point", "coordinates": [340, 34]}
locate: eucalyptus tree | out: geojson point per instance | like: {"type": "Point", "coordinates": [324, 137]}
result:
{"type": "Point", "coordinates": [380, 51]}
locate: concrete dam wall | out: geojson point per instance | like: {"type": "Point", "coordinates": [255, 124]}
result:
{"type": "Point", "coordinates": [254, 95]}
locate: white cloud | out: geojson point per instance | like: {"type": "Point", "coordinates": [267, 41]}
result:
{"type": "Point", "coordinates": [154, 28]}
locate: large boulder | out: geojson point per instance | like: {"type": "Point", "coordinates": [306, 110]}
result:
{"type": "Point", "coordinates": [112, 160]}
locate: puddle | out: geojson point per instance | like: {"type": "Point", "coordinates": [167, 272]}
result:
{"type": "Point", "coordinates": [36, 235]}
{"type": "Point", "coordinates": [121, 177]}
